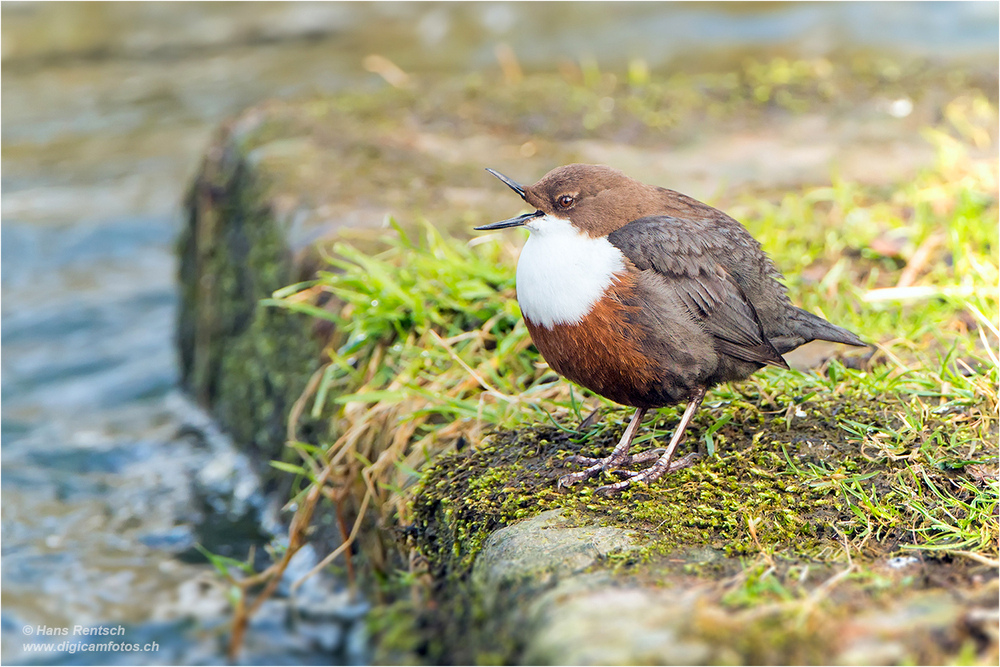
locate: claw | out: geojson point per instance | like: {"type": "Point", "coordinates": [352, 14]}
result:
{"type": "Point", "coordinates": [631, 459]}
{"type": "Point", "coordinates": [648, 475]}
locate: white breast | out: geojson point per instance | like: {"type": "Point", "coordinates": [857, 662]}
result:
{"type": "Point", "coordinates": [562, 273]}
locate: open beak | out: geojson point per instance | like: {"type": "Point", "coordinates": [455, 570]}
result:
{"type": "Point", "coordinates": [511, 222]}
{"type": "Point", "coordinates": [509, 182]}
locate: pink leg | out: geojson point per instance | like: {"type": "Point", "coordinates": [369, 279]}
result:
{"type": "Point", "coordinates": [662, 466]}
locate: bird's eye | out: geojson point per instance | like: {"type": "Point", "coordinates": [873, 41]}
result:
{"type": "Point", "coordinates": [565, 201]}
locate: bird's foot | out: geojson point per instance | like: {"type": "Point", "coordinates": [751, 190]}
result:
{"type": "Point", "coordinates": [612, 462]}
{"type": "Point", "coordinates": [596, 466]}
{"type": "Point", "coordinates": [631, 459]}
{"type": "Point", "coordinates": [650, 474]}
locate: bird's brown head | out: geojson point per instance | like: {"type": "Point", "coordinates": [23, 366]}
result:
{"type": "Point", "coordinates": [596, 199]}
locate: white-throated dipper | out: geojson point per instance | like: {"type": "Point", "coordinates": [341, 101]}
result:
{"type": "Point", "coordinates": [649, 298]}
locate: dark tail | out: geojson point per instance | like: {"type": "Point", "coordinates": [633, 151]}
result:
{"type": "Point", "coordinates": [803, 326]}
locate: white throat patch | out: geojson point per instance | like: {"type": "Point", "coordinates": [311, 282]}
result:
{"type": "Point", "coordinates": [562, 272]}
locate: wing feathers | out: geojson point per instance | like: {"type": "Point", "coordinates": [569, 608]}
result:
{"type": "Point", "coordinates": [700, 282]}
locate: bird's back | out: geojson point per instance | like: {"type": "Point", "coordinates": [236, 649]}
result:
{"type": "Point", "coordinates": [696, 235]}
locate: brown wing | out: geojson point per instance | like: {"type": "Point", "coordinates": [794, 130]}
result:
{"type": "Point", "coordinates": [692, 268]}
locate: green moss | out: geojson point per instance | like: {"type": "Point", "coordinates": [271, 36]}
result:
{"type": "Point", "coordinates": [246, 362]}
{"type": "Point", "coordinates": [773, 492]}
{"type": "Point", "coordinates": [773, 512]}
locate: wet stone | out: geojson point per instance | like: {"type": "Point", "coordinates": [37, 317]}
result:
{"type": "Point", "coordinates": [616, 626]}
{"type": "Point", "coordinates": [579, 613]}
{"type": "Point", "coordinates": [545, 546]}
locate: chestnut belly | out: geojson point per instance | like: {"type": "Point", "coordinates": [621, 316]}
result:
{"type": "Point", "coordinates": [605, 354]}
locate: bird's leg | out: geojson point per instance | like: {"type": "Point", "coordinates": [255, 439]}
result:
{"type": "Point", "coordinates": [615, 460]}
{"type": "Point", "coordinates": [662, 466]}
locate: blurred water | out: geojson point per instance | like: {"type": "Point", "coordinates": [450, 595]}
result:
{"type": "Point", "coordinates": [110, 474]}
